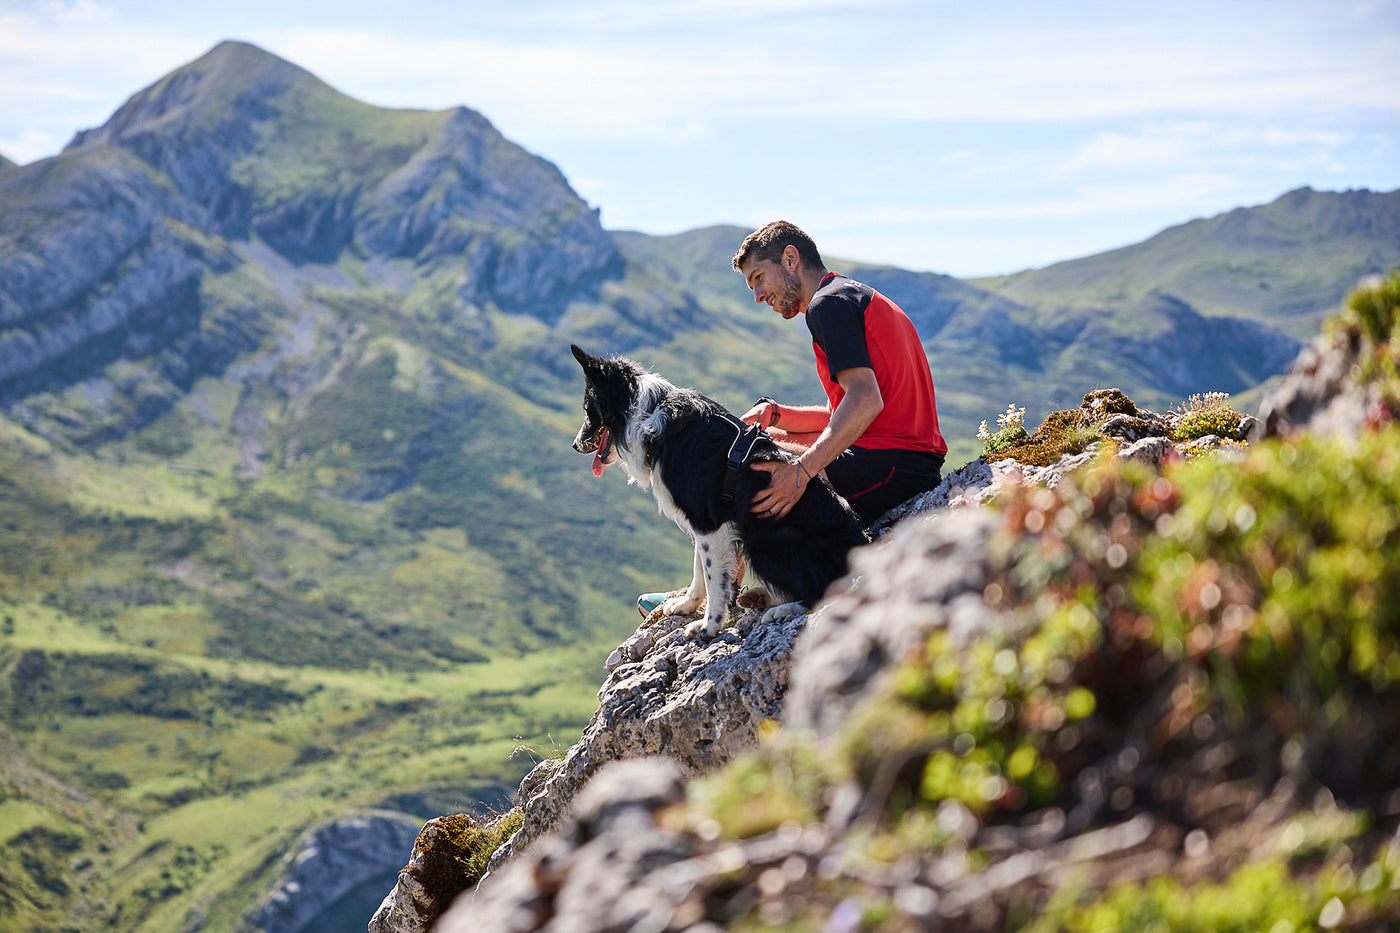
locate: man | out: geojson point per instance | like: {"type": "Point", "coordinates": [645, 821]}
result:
{"type": "Point", "coordinates": [877, 437]}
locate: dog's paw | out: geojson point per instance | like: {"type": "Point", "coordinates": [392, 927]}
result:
{"type": "Point", "coordinates": [755, 597]}
{"type": "Point", "coordinates": [785, 612]}
{"type": "Point", "coordinates": [681, 605]}
{"type": "Point", "coordinates": [707, 627]}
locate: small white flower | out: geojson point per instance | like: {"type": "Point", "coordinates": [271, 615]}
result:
{"type": "Point", "coordinates": [1208, 400]}
{"type": "Point", "coordinates": [1012, 419]}
{"type": "Point", "coordinates": [982, 434]}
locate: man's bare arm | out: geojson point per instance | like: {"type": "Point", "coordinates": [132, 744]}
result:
{"type": "Point", "coordinates": [860, 406]}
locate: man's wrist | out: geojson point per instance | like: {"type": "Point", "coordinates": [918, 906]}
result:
{"type": "Point", "coordinates": [774, 411]}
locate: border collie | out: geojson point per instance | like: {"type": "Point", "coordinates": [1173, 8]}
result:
{"type": "Point", "coordinates": [694, 456]}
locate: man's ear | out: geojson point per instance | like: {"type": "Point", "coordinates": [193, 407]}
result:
{"type": "Point", "coordinates": [791, 258]}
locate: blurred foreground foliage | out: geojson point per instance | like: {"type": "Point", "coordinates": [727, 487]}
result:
{"type": "Point", "coordinates": [1160, 636]}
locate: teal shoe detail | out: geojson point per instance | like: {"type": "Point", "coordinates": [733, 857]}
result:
{"type": "Point", "coordinates": [647, 602]}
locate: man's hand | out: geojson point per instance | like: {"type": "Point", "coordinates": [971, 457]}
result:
{"type": "Point", "coordinates": [832, 433]}
{"type": "Point", "coordinates": [764, 413]}
{"type": "Point", "coordinates": [788, 482]}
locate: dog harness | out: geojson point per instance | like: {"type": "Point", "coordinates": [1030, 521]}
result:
{"type": "Point", "coordinates": [746, 437]}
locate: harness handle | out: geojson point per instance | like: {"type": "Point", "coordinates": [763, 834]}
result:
{"type": "Point", "coordinates": [746, 437]}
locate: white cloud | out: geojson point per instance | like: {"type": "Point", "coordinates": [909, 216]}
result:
{"type": "Point", "coordinates": [548, 90]}
{"type": "Point", "coordinates": [28, 145]}
{"type": "Point", "coordinates": [1176, 190]}
{"type": "Point", "coordinates": [642, 71]}
{"type": "Point", "coordinates": [68, 66]}
{"type": "Point", "coordinates": [1183, 142]}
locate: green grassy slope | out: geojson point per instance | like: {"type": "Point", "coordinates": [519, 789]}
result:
{"type": "Point", "coordinates": [195, 666]}
{"type": "Point", "coordinates": [1288, 262]}
{"type": "Point", "coordinates": [352, 568]}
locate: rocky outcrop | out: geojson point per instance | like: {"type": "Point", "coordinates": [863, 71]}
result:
{"type": "Point", "coordinates": [471, 197]}
{"type": "Point", "coordinates": [924, 581]}
{"type": "Point", "coordinates": [72, 225]}
{"type": "Point", "coordinates": [1321, 391]}
{"type": "Point", "coordinates": [331, 861]}
{"type": "Point", "coordinates": [100, 262]}
{"type": "Point", "coordinates": [612, 868]}
{"type": "Point", "coordinates": [674, 709]}
{"type": "Point", "coordinates": [698, 704]}
{"type": "Point", "coordinates": [436, 873]}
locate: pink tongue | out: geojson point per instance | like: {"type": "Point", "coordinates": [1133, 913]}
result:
{"type": "Point", "coordinates": [598, 465]}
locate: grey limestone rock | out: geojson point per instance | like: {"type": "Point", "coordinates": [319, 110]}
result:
{"type": "Point", "coordinates": [1321, 392]}
{"type": "Point", "coordinates": [697, 703]}
{"type": "Point", "coordinates": [611, 867]}
{"type": "Point", "coordinates": [1147, 450]}
{"type": "Point", "coordinates": [430, 881]}
{"type": "Point", "coordinates": [330, 861]}
{"type": "Point", "coordinates": [927, 574]}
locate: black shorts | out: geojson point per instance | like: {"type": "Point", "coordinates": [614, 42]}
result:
{"type": "Point", "coordinates": [874, 481]}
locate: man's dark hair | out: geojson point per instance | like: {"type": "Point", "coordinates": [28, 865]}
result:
{"type": "Point", "coordinates": [766, 244]}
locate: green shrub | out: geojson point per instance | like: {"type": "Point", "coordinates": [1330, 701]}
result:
{"type": "Point", "coordinates": [782, 780]}
{"type": "Point", "coordinates": [1208, 414]}
{"type": "Point", "coordinates": [1011, 427]}
{"type": "Point", "coordinates": [489, 839]}
{"type": "Point", "coordinates": [1062, 433]}
{"type": "Point", "coordinates": [1370, 324]}
{"type": "Point", "coordinates": [1281, 574]}
{"type": "Point", "coordinates": [1373, 309]}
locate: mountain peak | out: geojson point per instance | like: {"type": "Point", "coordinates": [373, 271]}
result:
{"type": "Point", "coordinates": [231, 73]}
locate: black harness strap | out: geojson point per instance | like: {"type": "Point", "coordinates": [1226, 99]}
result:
{"type": "Point", "coordinates": [746, 437]}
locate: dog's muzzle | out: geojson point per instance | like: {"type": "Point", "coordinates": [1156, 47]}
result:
{"type": "Point", "coordinates": [598, 446]}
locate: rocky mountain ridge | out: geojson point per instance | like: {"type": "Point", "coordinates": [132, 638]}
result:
{"type": "Point", "coordinates": [136, 244]}
{"type": "Point", "coordinates": [144, 258]}
{"type": "Point", "coordinates": [1271, 263]}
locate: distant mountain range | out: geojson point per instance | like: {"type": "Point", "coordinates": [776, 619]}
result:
{"type": "Point", "coordinates": [285, 397]}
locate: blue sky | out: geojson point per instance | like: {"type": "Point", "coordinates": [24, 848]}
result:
{"type": "Point", "coordinates": [969, 138]}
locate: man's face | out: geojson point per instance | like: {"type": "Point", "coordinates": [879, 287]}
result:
{"type": "Point", "coordinates": [774, 286]}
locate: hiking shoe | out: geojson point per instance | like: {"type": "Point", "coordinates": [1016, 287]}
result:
{"type": "Point", "coordinates": [647, 602]}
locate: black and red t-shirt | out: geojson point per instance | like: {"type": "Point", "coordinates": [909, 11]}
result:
{"type": "Point", "coordinates": [853, 325]}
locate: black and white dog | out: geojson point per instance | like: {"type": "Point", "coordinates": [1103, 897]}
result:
{"type": "Point", "coordinates": [694, 456]}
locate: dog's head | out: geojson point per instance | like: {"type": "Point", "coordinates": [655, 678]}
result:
{"type": "Point", "coordinates": [609, 397]}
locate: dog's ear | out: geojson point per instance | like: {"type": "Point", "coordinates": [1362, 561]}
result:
{"type": "Point", "coordinates": [589, 363]}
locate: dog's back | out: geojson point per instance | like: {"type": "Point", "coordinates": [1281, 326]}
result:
{"type": "Point", "coordinates": [800, 554]}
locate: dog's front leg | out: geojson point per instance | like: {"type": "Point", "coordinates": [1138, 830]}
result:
{"type": "Point", "coordinates": [689, 602]}
{"type": "Point", "coordinates": [718, 564]}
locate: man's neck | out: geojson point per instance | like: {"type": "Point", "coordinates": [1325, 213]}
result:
{"type": "Point", "coordinates": [811, 281]}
